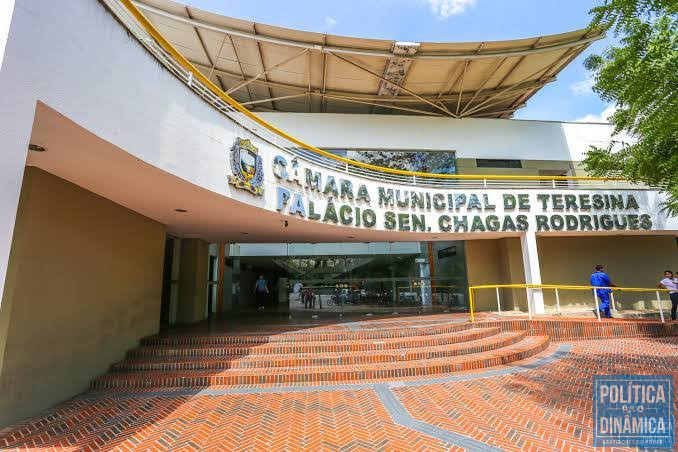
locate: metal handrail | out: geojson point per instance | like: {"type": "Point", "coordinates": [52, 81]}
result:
{"type": "Point", "coordinates": [557, 287]}
{"type": "Point", "coordinates": [168, 55]}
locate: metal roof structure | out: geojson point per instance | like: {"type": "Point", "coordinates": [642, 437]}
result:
{"type": "Point", "coordinates": [268, 68]}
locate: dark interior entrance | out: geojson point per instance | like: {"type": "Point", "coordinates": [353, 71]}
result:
{"type": "Point", "coordinates": [350, 277]}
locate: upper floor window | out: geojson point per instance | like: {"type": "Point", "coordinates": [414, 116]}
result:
{"type": "Point", "coordinates": [436, 162]}
{"type": "Point", "coordinates": [498, 163]}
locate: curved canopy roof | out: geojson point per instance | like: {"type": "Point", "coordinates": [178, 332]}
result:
{"type": "Point", "coordinates": [268, 68]}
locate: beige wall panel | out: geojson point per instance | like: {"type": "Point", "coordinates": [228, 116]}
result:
{"type": "Point", "coordinates": [483, 266]}
{"type": "Point", "coordinates": [631, 261]}
{"type": "Point", "coordinates": [495, 262]}
{"type": "Point", "coordinates": [86, 285]}
{"type": "Point", "coordinates": [511, 256]}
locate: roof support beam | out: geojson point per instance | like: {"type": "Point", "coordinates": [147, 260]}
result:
{"type": "Point", "coordinates": [355, 51]}
{"type": "Point", "coordinates": [467, 63]}
{"type": "Point", "coordinates": [322, 101]}
{"type": "Point", "coordinates": [568, 56]}
{"type": "Point", "coordinates": [214, 63]}
{"type": "Point", "coordinates": [378, 104]}
{"type": "Point", "coordinates": [399, 99]}
{"type": "Point", "coordinates": [564, 60]}
{"type": "Point", "coordinates": [310, 78]}
{"type": "Point", "coordinates": [271, 99]}
{"type": "Point", "coordinates": [204, 48]}
{"type": "Point", "coordinates": [261, 60]}
{"type": "Point", "coordinates": [539, 73]}
{"type": "Point", "coordinates": [518, 63]}
{"type": "Point", "coordinates": [342, 98]}
{"type": "Point", "coordinates": [412, 93]}
{"type": "Point", "coordinates": [242, 72]}
{"type": "Point", "coordinates": [488, 102]}
{"type": "Point", "coordinates": [502, 112]}
{"type": "Point", "coordinates": [499, 99]}
{"type": "Point", "coordinates": [264, 72]}
{"type": "Point", "coordinates": [494, 70]}
{"type": "Point", "coordinates": [453, 79]}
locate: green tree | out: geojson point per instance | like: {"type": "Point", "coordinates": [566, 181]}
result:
{"type": "Point", "coordinates": [639, 75]}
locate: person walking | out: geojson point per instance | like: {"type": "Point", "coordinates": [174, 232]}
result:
{"type": "Point", "coordinates": [600, 279]}
{"type": "Point", "coordinates": [670, 282]}
{"type": "Point", "coordinates": [260, 292]}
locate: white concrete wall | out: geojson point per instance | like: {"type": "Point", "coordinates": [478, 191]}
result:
{"type": "Point", "coordinates": [6, 10]}
{"type": "Point", "coordinates": [15, 129]}
{"type": "Point", "coordinates": [470, 138]}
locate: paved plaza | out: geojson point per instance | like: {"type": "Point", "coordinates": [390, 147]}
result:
{"type": "Point", "coordinates": [542, 402]}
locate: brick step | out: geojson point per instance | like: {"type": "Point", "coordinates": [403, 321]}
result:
{"type": "Point", "coordinates": [276, 375]}
{"type": "Point", "coordinates": [320, 359]}
{"type": "Point", "coordinates": [307, 335]}
{"type": "Point", "coordinates": [286, 348]}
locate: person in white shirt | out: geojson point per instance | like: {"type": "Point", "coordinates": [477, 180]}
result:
{"type": "Point", "coordinates": [670, 282]}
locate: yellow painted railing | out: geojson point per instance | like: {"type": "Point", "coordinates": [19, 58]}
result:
{"type": "Point", "coordinates": [199, 76]}
{"type": "Point", "coordinates": [556, 288]}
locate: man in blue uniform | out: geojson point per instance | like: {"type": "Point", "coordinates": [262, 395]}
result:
{"type": "Point", "coordinates": [261, 292]}
{"type": "Point", "coordinates": [600, 279]}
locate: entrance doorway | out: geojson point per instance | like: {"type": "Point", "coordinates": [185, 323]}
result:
{"type": "Point", "coordinates": [351, 277]}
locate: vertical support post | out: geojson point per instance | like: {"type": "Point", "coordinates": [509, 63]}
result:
{"type": "Point", "coordinates": [498, 302]}
{"type": "Point", "coordinates": [529, 305]}
{"type": "Point", "coordinates": [220, 282]}
{"type": "Point", "coordinates": [432, 274]}
{"type": "Point", "coordinates": [614, 308]}
{"type": "Point", "coordinates": [558, 301]}
{"type": "Point", "coordinates": [659, 301]}
{"type": "Point", "coordinates": [175, 274]}
{"type": "Point", "coordinates": [535, 296]}
{"type": "Point", "coordinates": [470, 303]}
{"type": "Point", "coordinates": [341, 306]}
{"type": "Point", "coordinates": [595, 304]}
{"type": "Point", "coordinates": [484, 183]}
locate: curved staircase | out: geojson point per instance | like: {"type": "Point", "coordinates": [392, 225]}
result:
{"type": "Point", "coordinates": [373, 351]}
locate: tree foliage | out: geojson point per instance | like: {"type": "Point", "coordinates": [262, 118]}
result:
{"type": "Point", "coordinates": [640, 76]}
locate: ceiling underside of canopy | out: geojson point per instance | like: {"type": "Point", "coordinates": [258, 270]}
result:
{"type": "Point", "coordinates": [268, 68]}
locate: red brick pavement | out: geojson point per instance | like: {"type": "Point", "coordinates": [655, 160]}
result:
{"type": "Point", "coordinates": [350, 420]}
{"type": "Point", "coordinates": [546, 408]}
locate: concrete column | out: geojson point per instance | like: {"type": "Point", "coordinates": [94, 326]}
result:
{"type": "Point", "coordinates": [528, 243]}
{"type": "Point", "coordinates": [193, 276]}
{"type": "Point", "coordinates": [174, 285]}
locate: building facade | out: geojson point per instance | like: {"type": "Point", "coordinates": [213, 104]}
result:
{"type": "Point", "coordinates": [135, 193]}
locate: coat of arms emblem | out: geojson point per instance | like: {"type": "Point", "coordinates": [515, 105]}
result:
{"type": "Point", "coordinates": [247, 167]}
